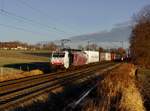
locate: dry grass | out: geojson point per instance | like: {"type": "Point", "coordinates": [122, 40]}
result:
{"type": "Point", "coordinates": [117, 92]}
{"type": "Point", "coordinates": [16, 74]}
{"type": "Point", "coordinates": [144, 80]}
{"type": "Point", "coordinates": [13, 63]}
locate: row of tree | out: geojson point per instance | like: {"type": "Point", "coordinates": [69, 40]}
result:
{"type": "Point", "coordinates": [140, 38]}
{"type": "Point", "coordinates": [18, 44]}
{"type": "Point", "coordinates": [46, 46]}
{"type": "Point", "coordinates": [12, 44]}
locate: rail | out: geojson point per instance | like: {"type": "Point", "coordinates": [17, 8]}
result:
{"type": "Point", "coordinates": [21, 90]}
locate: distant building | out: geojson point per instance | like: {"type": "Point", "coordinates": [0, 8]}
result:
{"type": "Point", "coordinates": [13, 46]}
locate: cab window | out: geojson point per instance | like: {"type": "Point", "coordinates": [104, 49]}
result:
{"type": "Point", "coordinates": [58, 54]}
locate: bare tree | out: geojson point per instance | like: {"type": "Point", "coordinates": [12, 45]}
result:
{"type": "Point", "coordinates": [143, 15]}
{"type": "Point", "coordinates": [121, 51]}
{"type": "Point", "coordinates": [140, 38]}
{"type": "Point", "coordinates": [91, 47]}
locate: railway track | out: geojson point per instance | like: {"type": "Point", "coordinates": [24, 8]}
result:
{"type": "Point", "coordinates": [17, 91]}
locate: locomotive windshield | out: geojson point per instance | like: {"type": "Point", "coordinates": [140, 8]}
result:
{"type": "Point", "coordinates": [58, 54]}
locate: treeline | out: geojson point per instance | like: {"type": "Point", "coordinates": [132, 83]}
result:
{"type": "Point", "coordinates": [140, 38]}
{"type": "Point", "coordinates": [46, 46]}
{"type": "Point", "coordinates": [17, 45]}
{"type": "Point", "coordinates": [13, 45]}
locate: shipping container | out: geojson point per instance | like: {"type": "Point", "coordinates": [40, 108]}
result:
{"type": "Point", "coordinates": [113, 56]}
{"type": "Point", "coordinates": [105, 56]}
{"type": "Point", "coordinates": [92, 56]}
{"type": "Point", "coordinates": [79, 58]}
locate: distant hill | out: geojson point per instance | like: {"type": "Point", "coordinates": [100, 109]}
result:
{"type": "Point", "coordinates": [105, 39]}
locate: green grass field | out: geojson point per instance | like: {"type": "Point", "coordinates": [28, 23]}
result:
{"type": "Point", "coordinates": [17, 64]}
{"type": "Point", "coordinates": [13, 57]}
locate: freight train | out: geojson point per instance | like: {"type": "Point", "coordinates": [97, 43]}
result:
{"type": "Point", "coordinates": [67, 58]}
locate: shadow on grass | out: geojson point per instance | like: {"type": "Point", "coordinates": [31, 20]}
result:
{"type": "Point", "coordinates": [43, 66]}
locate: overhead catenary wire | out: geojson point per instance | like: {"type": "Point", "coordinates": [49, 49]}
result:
{"type": "Point", "coordinates": [22, 29]}
{"type": "Point", "coordinates": [36, 10]}
{"type": "Point", "coordinates": [23, 19]}
{"type": "Point", "coordinates": [18, 17]}
{"type": "Point", "coordinates": [31, 7]}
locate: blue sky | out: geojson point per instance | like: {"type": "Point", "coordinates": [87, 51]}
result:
{"type": "Point", "coordinates": [48, 20]}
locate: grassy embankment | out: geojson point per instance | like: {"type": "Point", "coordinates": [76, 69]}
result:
{"type": "Point", "coordinates": [116, 92]}
{"type": "Point", "coordinates": [16, 64]}
{"type": "Point", "coordinates": [144, 80]}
